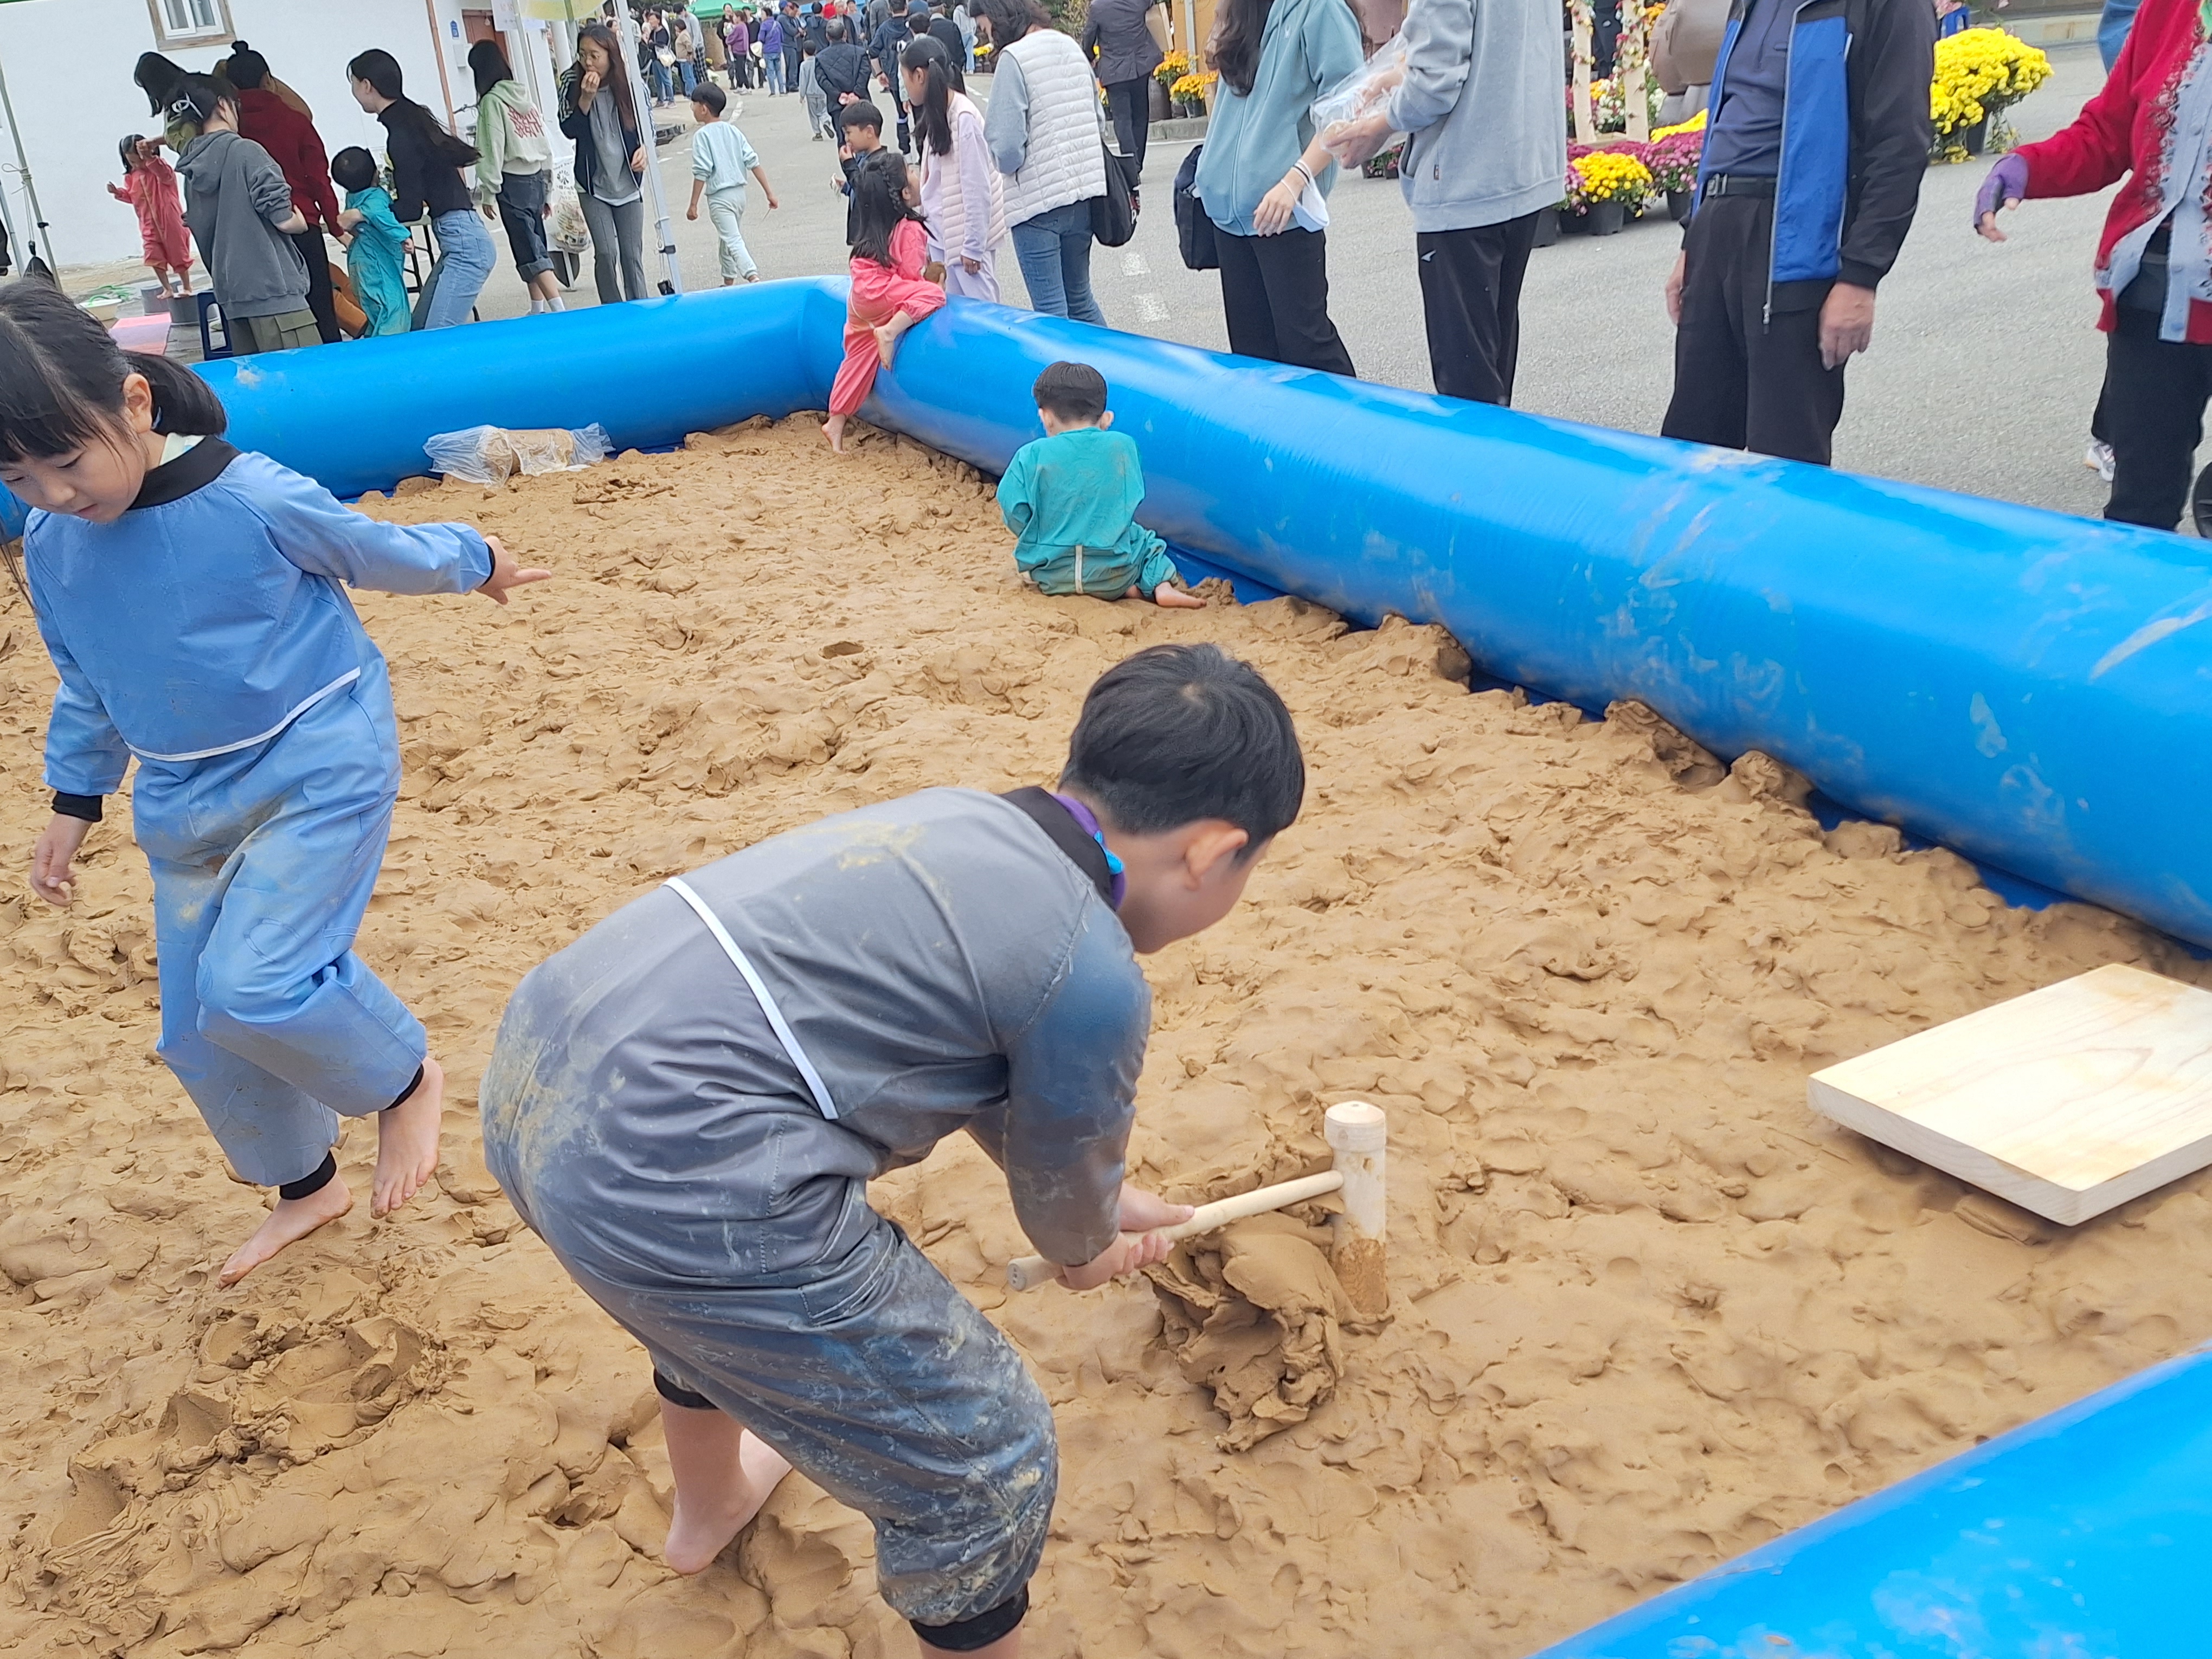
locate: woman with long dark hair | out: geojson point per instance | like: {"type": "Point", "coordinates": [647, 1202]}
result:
{"type": "Point", "coordinates": [426, 177]}
{"type": "Point", "coordinates": [515, 170]}
{"type": "Point", "coordinates": [962, 200]}
{"type": "Point", "coordinates": [597, 112]}
{"type": "Point", "coordinates": [1263, 173]}
{"type": "Point", "coordinates": [1048, 137]}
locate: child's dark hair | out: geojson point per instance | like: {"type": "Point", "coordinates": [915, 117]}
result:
{"type": "Point", "coordinates": [127, 148]}
{"type": "Point", "coordinates": [707, 95]}
{"type": "Point", "coordinates": [380, 69]}
{"type": "Point", "coordinates": [353, 168]}
{"type": "Point", "coordinates": [1071, 392]}
{"type": "Point", "coordinates": [1179, 732]}
{"type": "Point", "coordinates": [62, 374]}
{"type": "Point", "coordinates": [862, 114]}
{"type": "Point", "coordinates": [879, 205]}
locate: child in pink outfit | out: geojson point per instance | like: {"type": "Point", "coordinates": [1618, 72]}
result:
{"type": "Point", "coordinates": [889, 293]}
{"type": "Point", "coordinates": [149, 184]}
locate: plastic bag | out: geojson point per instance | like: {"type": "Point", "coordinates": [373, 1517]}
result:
{"type": "Point", "coordinates": [491, 454]}
{"type": "Point", "coordinates": [1366, 91]}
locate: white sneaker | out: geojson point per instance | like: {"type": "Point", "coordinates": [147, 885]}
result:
{"type": "Point", "coordinates": [2099, 459]}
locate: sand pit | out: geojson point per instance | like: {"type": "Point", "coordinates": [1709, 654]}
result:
{"type": "Point", "coordinates": [1648, 1311]}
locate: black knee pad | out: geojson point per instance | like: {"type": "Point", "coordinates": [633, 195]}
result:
{"type": "Point", "coordinates": [985, 1628]}
{"type": "Point", "coordinates": [684, 1397]}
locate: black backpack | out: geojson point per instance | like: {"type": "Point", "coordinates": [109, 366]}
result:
{"type": "Point", "coordinates": [1193, 230]}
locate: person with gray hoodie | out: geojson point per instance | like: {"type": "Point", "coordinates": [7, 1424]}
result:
{"type": "Point", "coordinates": [1486, 153]}
{"type": "Point", "coordinates": [240, 211]}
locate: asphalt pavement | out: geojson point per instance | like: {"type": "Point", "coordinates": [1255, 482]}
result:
{"type": "Point", "coordinates": [1984, 366]}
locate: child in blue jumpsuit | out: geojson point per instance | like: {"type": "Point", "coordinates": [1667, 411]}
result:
{"type": "Point", "coordinates": [687, 1103]}
{"type": "Point", "coordinates": [1071, 499]}
{"type": "Point", "coordinates": [375, 243]}
{"type": "Point", "coordinates": [193, 600]}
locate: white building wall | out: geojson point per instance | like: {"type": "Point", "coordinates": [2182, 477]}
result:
{"type": "Point", "coordinates": [68, 62]}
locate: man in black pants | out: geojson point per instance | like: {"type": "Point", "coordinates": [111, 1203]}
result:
{"type": "Point", "coordinates": [1773, 291]}
{"type": "Point", "coordinates": [1485, 150]}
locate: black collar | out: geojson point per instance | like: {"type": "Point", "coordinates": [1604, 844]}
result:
{"type": "Point", "coordinates": [1057, 821]}
{"type": "Point", "coordinates": [196, 469]}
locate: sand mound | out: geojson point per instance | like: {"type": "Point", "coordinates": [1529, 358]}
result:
{"type": "Point", "coordinates": [1648, 1310]}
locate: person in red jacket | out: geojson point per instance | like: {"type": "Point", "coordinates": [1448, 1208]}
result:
{"type": "Point", "coordinates": [293, 144]}
{"type": "Point", "coordinates": [2151, 125]}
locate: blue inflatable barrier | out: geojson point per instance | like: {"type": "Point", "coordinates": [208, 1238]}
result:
{"type": "Point", "coordinates": [2079, 1537]}
{"type": "Point", "coordinates": [2031, 688]}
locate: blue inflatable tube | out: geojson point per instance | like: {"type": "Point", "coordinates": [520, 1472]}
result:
{"type": "Point", "coordinates": [2031, 688]}
{"type": "Point", "coordinates": [2080, 1536]}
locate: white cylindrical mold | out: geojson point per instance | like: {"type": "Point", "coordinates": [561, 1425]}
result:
{"type": "Point", "coordinates": [1358, 1137]}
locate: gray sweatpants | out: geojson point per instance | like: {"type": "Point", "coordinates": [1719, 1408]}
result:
{"type": "Point", "coordinates": [877, 1379]}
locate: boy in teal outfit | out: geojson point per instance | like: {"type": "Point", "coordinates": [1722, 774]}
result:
{"type": "Point", "coordinates": [375, 242]}
{"type": "Point", "coordinates": [1071, 499]}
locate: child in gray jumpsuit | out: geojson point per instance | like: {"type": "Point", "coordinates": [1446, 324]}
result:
{"type": "Point", "coordinates": [687, 1103]}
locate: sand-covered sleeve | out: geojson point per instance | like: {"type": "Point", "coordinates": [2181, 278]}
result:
{"type": "Point", "coordinates": [1017, 502]}
{"type": "Point", "coordinates": [317, 533]}
{"type": "Point", "coordinates": [1071, 1093]}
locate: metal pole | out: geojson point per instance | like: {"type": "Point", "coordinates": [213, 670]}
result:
{"type": "Point", "coordinates": [23, 166]}
{"type": "Point", "coordinates": [642, 100]}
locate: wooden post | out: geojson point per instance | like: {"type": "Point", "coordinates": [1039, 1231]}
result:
{"type": "Point", "coordinates": [1359, 1139]}
{"type": "Point", "coordinates": [1585, 127]}
{"type": "Point", "coordinates": [1632, 58]}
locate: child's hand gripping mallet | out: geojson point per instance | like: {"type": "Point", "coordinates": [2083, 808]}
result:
{"type": "Point", "coordinates": [1355, 1135]}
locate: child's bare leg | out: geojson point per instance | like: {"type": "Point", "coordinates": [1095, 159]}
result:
{"type": "Point", "coordinates": [888, 334]}
{"type": "Point", "coordinates": [834, 430]}
{"type": "Point", "coordinates": [724, 1473]}
{"type": "Point", "coordinates": [292, 1220]}
{"type": "Point", "coordinates": [407, 1141]}
{"type": "Point", "coordinates": [1167, 595]}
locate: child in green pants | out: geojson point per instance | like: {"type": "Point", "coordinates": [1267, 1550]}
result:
{"type": "Point", "coordinates": [1071, 499]}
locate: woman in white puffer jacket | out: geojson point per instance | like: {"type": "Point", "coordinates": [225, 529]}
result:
{"type": "Point", "coordinates": [1048, 135]}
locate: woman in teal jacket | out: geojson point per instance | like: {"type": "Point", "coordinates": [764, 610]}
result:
{"type": "Point", "coordinates": [1264, 179]}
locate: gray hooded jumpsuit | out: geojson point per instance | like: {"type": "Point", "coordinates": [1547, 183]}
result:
{"type": "Point", "coordinates": [939, 963]}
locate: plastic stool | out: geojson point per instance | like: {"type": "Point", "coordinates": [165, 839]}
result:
{"type": "Point", "coordinates": [208, 349]}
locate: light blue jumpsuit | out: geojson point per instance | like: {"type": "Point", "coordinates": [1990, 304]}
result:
{"type": "Point", "coordinates": [208, 632]}
{"type": "Point", "coordinates": [1072, 501]}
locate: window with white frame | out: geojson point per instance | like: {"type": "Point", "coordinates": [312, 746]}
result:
{"type": "Point", "coordinates": [190, 22]}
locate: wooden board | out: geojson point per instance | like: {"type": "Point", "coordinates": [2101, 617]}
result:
{"type": "Point", "coordinates": [2066, 1102]}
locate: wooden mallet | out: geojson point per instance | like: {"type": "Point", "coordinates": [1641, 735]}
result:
{"type": "Point", "coordinates": [1355, 1133]}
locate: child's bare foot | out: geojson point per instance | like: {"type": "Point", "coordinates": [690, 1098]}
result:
{"type": "Point", "coordinates": [292, 1220]}
{"type": "Point", "coordinates": [887, 337]}
{"type": "Point", "coordinates": [407, 1141]}
{"type": "Point", "coordinates": [1167, 595]}
{"type": "Point", "coordinates": [834, 430]}
{"type": "Point", "coordinates": [695, 1539]}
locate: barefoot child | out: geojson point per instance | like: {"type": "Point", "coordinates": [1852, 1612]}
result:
{"type": "Point", "coordinates": [889, 293]}
{"type": "Point", "coordinates": [193, 597]}
{"type": "Point", "coordinates": [688, 1102]}
{"type": "Point", "coordinates": [720, 158]}
{"type": "Point", "coordinates": [1071, 499]}
{"type": "Point", "coordinates": [149, 184]}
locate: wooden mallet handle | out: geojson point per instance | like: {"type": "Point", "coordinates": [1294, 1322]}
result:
{"type": "Point", "coordinates": [1026, 1272]}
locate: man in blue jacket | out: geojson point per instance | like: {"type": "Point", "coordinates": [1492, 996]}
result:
{"type": "Point", "coordinates": [1815, 144]}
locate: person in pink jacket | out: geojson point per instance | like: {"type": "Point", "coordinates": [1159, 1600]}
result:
{"type": "Point", "coordinates": [149, 185]}
{"type": "Point", "coordinates": [889, 293]}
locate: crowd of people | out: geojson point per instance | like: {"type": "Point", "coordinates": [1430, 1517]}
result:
{"type": "Point", "coordinates": [1773, 294]}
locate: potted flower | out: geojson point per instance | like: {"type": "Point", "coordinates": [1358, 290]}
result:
{"type": "Point", "coordinates": [1673, 158]}
{"type": "Point", "coordinates": [1607, 184]}
{"type": "Point", "coordinates": [1189, 92]}
{"type": "Point", "coordinates": [1979, 74]}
